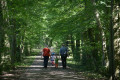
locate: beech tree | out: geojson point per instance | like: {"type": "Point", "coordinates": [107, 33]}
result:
{"type": "Point", "coordinates": [90, 29]}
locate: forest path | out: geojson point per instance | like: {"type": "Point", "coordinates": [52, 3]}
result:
{"type": "Point", "coordinates": [37, 72]}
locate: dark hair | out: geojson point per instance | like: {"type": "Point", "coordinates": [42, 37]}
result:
{"type": "Point", "coordinates": [63, 44]}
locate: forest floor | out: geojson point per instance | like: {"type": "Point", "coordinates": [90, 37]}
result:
{"type": "Point", "coordinates": [36, 72]}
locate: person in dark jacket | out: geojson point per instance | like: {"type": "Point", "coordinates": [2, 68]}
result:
{"type": "Point", "coordinates": [63, 53]}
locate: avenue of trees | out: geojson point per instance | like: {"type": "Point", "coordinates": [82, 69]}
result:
{"type": "Point", "coordinates": [90, 29]}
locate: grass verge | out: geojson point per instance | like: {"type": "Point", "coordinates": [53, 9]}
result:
{"type": "Point", "coordinates": [86, 71]}
{"type": "Point", "coordinates": [27, 60]}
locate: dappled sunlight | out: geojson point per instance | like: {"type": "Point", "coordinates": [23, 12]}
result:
{"type": "Point", "coordinates": [39, 60]}
{"type": "Point", "coordinates": [30, 57]}
{"type": "Point", "coordinates": [86, 31]}
{"type": "Point", "coordinates": [38, 56]}
{"type": "Point", "coordinates": [8, 75]}
{"type": "Point", "coordinates": [36, 71]}
{"type": "Point", "coordinates": [49, 73]}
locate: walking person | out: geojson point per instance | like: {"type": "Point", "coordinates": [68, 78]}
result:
{"type": "Point", "coordinates": [52, 58]}
{"type": "Point", "coordinates": [46, 54]}
{"type": "Point", "coordinates": [63, 53]}
{"type": "Point", "coordinates": [56, 62]}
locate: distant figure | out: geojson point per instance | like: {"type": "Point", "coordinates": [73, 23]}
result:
{"type": "Point", "coordinates": [46, 54]}
{"type": "Point", "coordinates": [63, 53]}
{"type": "Point", "coordinates": [52, 58]}
{"type": "Point", "coordinates": [56, 62]}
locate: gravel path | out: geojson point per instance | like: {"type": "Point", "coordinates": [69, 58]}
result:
{"type": "Point", "coordinates": [37, 72]}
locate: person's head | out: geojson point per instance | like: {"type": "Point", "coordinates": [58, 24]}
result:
{"type": "Point", "coordinates": [63, 44]}
{"type": "Point", "coordinates": [46, 46]}
{"type": "Point", "coordinates": [53, 53]}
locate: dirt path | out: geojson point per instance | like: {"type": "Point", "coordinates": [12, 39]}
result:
{"type": "Point", "coordinates": [37, 72]}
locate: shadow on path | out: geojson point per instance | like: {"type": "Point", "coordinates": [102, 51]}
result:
{"type": "Point", "coordinates": [37, 72]}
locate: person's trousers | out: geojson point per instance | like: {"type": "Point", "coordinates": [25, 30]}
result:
{"type": "Point", "coordinates": [56, 65]}
{"type": "Point", "coordinates": [46, 61]}
{"type": "Point", "coordinates": [63, 61]}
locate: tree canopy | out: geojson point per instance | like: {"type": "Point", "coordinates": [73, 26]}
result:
{"type": "Point", "coordinates": [90, 29]}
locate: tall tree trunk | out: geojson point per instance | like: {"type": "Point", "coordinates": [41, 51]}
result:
{"type": "Point", "coordinates": [77, 48]}
{"type": "Point", "coordinates": [50, 42]}
{"type": "Point", "coordinates": [67, 41]}
{"type": "Point", "coordinates": [1, 36]}
{"type": "Point", "coordinates": [111, 54]}
{"type": "Point", "coordinates": [94, 51]}
{"type": "Point", "coordinates": [26, 52]}
{"type": "Point", "coordinates": [13, 46]}
{"type": "Point", "coordinates": [18, 48]}
{"type": "Point", "coordinates": [116, 28]}
{"type": "Point", "coordinates": [18, 54]}
{"type": "Point", "coordinates": [102, 34]}
{"type": "Point", "coordinates": [73, 46]}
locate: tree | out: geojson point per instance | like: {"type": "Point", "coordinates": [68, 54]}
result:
{"type": "Point", "coordinates": [1, 36]}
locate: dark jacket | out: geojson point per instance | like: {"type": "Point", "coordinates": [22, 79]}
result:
{"type": "Point", "coordinates": [63, 50]}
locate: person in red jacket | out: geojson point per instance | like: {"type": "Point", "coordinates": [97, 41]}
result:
{"type": "Point", "coordinates": [46, 54]}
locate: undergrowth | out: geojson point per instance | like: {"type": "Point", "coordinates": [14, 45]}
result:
{"type": "Point", "coordinates": [86, 71]}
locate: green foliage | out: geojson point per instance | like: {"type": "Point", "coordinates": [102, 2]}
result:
{"type": "Point", "coordinates": [35, 23]}
{"type": "Point", "coordinates": [26, 62]}
{"type": "Point", "coordinates": [104, 71]}
{"type": "Point", "coordinates": [86, 71]}
{"type": "Point", "coordinates": [6, 65]}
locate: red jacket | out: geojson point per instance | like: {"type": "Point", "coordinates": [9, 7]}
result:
{"type": "Point", "coordinates": [46, 52]}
